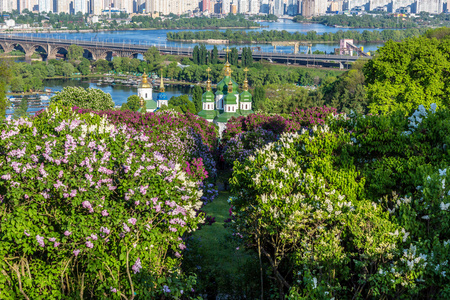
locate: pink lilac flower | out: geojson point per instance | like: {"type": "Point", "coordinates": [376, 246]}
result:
{"type": "Point", "coordinates": [89, 244]}
{"type": "Point", "coordinates": [56, 244]}
{"type": "Point", "coordinates": [67, 233]}
{"type": "Point", "coordinates": [105, 230]}
{"type": "Point", "coordinates": [166, 289]}
{"type": "Point", "coordinates": [40, 240]}
{"type": "Point", "coordinates": [137, 266]}
{"type": "Point", "coordinates": [177, 254]}
{"type": "Point", "coordinates": [26, 233]}
{"type": "Point", "coordinates": [52, 239]}
{"type": "Point", "coordinates": [126, 228]}
{"type": "Point", "coordinates": [94, 237]}
{"type": "Point", "coordinates": [182, 246]}
{"type": "Point", "coordinates": [76, 252]}
{"type": "Point", "coordinates": [136, 203]}
{"type": "Point", "coordinates": [105, 213]}
{"type": "Point", "coordinates": [113, 290]}
{"type": "Point", "coordinates": [132, 221]}
{"type": "Point", "coordinates": [172, 229]}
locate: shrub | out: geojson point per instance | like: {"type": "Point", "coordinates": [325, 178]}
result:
{"type": "Point", "coordinates": [89, 208]}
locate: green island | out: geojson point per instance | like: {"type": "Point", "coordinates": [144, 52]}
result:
{"type": "Point", "coordinates": [343, 195]}
{"type": "Point", "coordinates": [268, 36]}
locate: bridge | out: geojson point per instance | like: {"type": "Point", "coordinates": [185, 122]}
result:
{"type": "Point", "coordinates": [95, 50]}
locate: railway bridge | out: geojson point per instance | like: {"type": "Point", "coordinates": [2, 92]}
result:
{"type": "Point", "coordinates": [95, 50]}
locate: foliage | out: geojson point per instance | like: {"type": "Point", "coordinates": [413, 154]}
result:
{"type": "Point", "coordinates": [405, 75]}
{"type": "Point", "coordinates": [78, 212]}
{"type": "Point", "coordinates": [133, 103]}
{"type": "Point", "coordinates": [182, 104]}
{"type": "Point", "coordinates": [5, 76]}
{"type": "Point", "coordinates": [21, 110]}
{"type": "Point", "coordinates": [347, 92]}
{"type": "Point", "coordinates": [197, 94]}
{"type": "Point", "coordinates": [354, 208]}
{"type": "Point", "coordinates": [267, 36]}
{"type": "Point", "coordinates": [153, 58]}
{"type": "Point", "coordinates": [85, 98]}
{"type": "Point", "coordinates": [75, 52]}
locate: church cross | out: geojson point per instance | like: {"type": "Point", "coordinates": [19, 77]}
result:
{"type": "Point", "coordinates": [228, 50]}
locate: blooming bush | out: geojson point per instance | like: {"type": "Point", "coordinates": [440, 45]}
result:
{"type": "Point", "coordinates": [87, 98]}
{"type": "Point", "coordinates": [356, 208]}
{"type": "Point", "coordinates": [244, 135]}
{"type": "Point", "coordinates": [92, 209]}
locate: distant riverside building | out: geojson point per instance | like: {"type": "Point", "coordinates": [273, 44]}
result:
{"type": "Point", "coordinates": [394, 6]}
{"type": "Point", "coordinates": [166, 7]}
{"type": "Point", "coordinates": [45, 5]}
{"type": "Point", "coordinates": [312, 8]}
{"type": "Point", "coordinates": [206, 5]}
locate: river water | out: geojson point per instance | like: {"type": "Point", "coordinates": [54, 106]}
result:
{"type": "Point", "coordinates": [119, 93]}
{"type": "Point", "coordinates": [159, 37]}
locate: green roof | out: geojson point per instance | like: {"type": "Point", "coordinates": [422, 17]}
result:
{"type": "Point", "coordinates": [245, 97]}
{"type": "Point", "coordinates": [208, 96]}
{"type": "Point", "coordinates": [224, 117]}
{"type": "Point", "coordinates": [208, 114]}
{"type": "Point", "coordinates": [229, 99]}
{"type": "Point", "coordinates": [246, 112]}
{"type": "Point", "coordinates": [149, 104]}
{"type": "Point", "coordinates": [223, 85]}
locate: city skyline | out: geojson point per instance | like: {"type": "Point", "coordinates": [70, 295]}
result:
{"type": "Point", "coordinates": [307, 8]}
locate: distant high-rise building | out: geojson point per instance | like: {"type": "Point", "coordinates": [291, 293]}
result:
{"type": "Point", "coordinates": [206, 5]}
{"type": "Point", "coordinates": [278, 8]}
{"type": "Point", "coordinates": [255, 6]}
{"type": "Point", "coordinates": [45, 5]}
{"type": "Point", "coordinates": [226, 6]}
{"type": "Point", "coordinates": [63, 6]}
{"type": "Point", "coordinates": [312, 8]}
{"type": "Point", "coordinates": [97, 7]}
{"type": "Point", "coordinates": [242, 6]}
{"type": "Point", "coordinates": [80, 6]}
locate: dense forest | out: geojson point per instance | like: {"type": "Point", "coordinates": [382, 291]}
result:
{"type": "Point", "coordinates": [266, 36]}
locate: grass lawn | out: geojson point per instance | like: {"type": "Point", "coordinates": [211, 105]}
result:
{"type": "Point", "coordinates": [218, 258]}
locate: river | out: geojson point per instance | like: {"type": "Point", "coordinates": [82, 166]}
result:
{"type": "Point", "coordinates": [119, 93]}
{"type": "Point", "coordinates": [159, 37]}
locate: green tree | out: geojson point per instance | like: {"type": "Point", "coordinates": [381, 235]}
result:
{"type": "Point", "coordinates": [259, 95]}
{"type": "Point", "coordinates": [75, 52]}
{"type": "Point", "coordinates": [133, 103]}
{"type": "Point", "coordinates": [102, 66]}
{"type": "Point", "coordinates": [214, 55]}
{"type": "Point", "coordinates": [197, 98]}
{"type": "Point", "coordinates": [84, 98]}
{"type": "Point", "coordinates": [153, 58]}
{"type": "Point", "coordinates": [84, 67]}
{"type": "Point", "coordinates": [408, 74]}
{"type": "Point", "coordinates": [67, 69]}
{"type": "Point", "coordinates": [182, 104]}
{"type": "Point", "coordinates": [5, 75]}
{"type": "Point", "coordinates": [234, 56]}
{"type": "Point", "coordinates": [195, 55]}
{"type": "Point", "coordinates": [51, 70]}
{"type": "Point", "coordinates": [21, 110]}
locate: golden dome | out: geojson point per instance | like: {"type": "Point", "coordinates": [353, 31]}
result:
{"type": "Point", "coordinates": [144, 83]}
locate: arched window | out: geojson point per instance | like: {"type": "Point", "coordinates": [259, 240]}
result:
{"type": "Point", "coordinates": [145, 95]}
{"type": "Point", "coordinates": [246, 106]}
{"type": "Point", "coordinates": [228, 108]}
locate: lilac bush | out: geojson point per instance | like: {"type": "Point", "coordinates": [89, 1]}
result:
{"type": "Point", "coordinates": [93, 209]}
{"type": "Point", "coordinates": [244, 135]}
